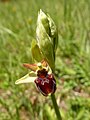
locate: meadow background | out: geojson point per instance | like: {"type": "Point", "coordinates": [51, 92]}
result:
{"type": "Point", "coordinates": [17, 29]}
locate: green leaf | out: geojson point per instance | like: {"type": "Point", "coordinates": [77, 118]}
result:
{"type": "Point", "coordinates": [30, 77]}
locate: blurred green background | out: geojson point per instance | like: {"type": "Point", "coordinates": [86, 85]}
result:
{"type": "Point", "coordinates": [17, 29]}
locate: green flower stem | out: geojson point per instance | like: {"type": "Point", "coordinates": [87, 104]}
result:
{"type": "Point", "coordinates": [56, 107]}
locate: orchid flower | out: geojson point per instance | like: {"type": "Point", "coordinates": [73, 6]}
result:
{"type": "Point", "coordinates": [42, 76]}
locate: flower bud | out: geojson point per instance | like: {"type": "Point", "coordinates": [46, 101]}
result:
{"type": "Point", "coordinates": [46, 33]}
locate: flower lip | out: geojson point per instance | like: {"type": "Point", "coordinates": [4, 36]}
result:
{"type": "Point", "coordinates": [46, 85]}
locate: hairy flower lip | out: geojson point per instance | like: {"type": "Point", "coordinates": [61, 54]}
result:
{"type": "Point", "coordinates": [46, 85]}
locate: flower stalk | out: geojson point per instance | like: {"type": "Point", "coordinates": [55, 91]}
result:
{"type": "Point", "coordinates": [56, 107]}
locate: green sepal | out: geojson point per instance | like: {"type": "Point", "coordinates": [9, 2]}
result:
{"type": "Point", "coordinates": [36, 53]}
{"type": "Point", "coordinates": [30, 77]}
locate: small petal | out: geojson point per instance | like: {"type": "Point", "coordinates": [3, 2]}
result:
{"type": "Point", "coordinates": [30, 77]}
{"type": "Point", "coordinates": [32, 67]}
{"type": "Point", "coordinates": [44, 63]}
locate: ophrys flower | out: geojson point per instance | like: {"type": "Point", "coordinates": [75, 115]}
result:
{"type": "Point", "coordinates": [42, 76]}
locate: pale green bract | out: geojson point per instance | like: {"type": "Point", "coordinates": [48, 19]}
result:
{"type": "Point", "coordinates": [47, 37]}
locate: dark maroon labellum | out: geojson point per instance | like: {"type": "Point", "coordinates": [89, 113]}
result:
{"type": "Point", "coordinates": [45, 82]}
